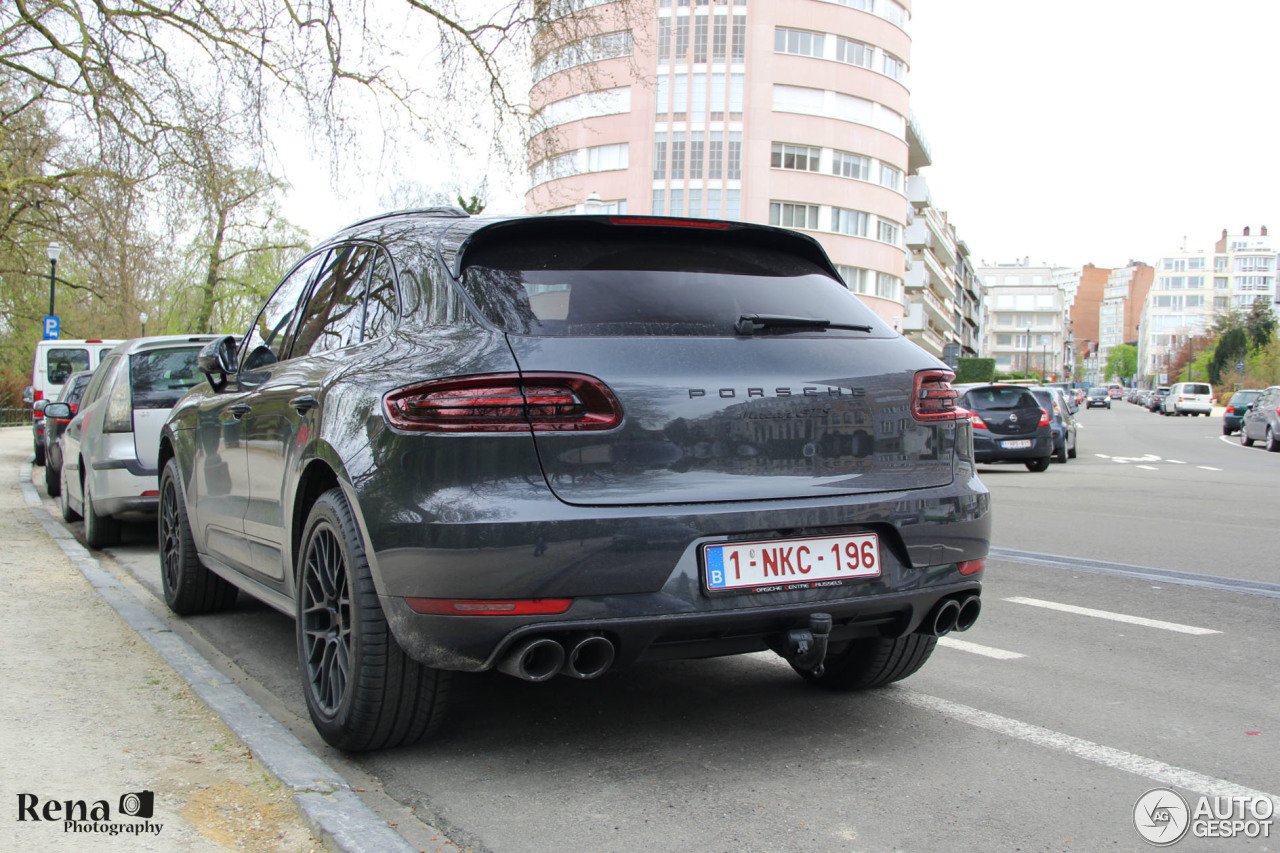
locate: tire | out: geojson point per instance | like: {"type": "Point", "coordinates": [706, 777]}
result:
{"type": "Point", "coordinates": [39, 449]}
{"type": "Point", "coordinates": [873, 662]}
{"type": "Point", "coordinates": [1226, 430]}
{"type": "Point", "coordinates": [363, 692]}
{"type": "Point", "coordinates": [1038, 465]}
{"type": "Point", "coordinates": [1273, 444]}
{"type": "Point", "coordinates": [189, 587]}
{"type": "Point", "coordinates": [52, 481]}
{"type": "Point", "coordinates": [1244, 437]}
{"type": "Point", "coordinates": [64, 503]}
{"type": "Point", "coordinates": [1072, 452]}
{"type": "Point", "coordinates": [1061, 455]}
{"type": "Point", "coordinates": [99, 530]}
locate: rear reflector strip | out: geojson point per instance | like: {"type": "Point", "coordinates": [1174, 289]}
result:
{"type": "Point", "coordinates": [972, 567]}
{"type": "Point", "coordinates": [676, 223]}
{"type": "Point", "coordinates": [468, 607]}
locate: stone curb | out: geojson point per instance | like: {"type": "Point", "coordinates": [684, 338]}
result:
{"type": "Point", "coordinates": [330, 807]}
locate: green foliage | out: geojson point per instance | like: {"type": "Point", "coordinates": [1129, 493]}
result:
{"type": "Point", "coordinates": [475, 206]}
{"type": "Point", "coordinates": [1122, 362]}
{"type": "Point", "coordinates": [976, 370]}
{"type": "Point", "coordinates": [1262, 367]}
{"type": "Point", "coordinates": [1261, 324]}
{"type": "Point", "coordinates": [1231, 349]}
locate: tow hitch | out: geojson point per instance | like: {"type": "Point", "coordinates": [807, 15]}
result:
{"type": "Point", "coordinates": [805, 649]}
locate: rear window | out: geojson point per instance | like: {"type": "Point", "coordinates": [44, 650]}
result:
{"type": "Point", "coordinates": [985, 399]}
{"type": "Point", "coordinates": [62, 362]}
{"type": "Point", "coordinates": [158, 379]}
{"type": "Point", "coordinates": [672, 286]}
{"type": "Point", "coordinates": [1196, 389]}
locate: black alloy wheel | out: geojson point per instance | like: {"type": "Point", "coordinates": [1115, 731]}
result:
{"type": "Point", "coordinates": [1244, 436]}
{"type": "Point", "coordinates": [189, 587]}
{"type": "Point", "coordinates": [363, 692]}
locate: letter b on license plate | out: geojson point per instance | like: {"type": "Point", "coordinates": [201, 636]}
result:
{"type": "Point", "coordinates": [767, 565]}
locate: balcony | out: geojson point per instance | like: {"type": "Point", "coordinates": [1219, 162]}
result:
{"type": "Point", "coordinates": [918, 192]}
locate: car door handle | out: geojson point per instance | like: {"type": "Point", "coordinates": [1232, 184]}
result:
{"type": "Point", "coordinates": [304, 404]}
{"type": "Point", "coordinates": [239, 410]}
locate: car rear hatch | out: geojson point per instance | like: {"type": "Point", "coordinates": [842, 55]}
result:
{"type": "Point", "coordinates": [1007, 410]}
{"type": "Point", "coordinates": [701, 340]}
{"type": "Point", "coordinates": [157, 380]}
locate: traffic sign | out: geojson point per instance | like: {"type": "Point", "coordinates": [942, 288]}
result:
{"type": "Point", "coordinates": [1240, 367]}
{"type": "Point", "coordinates": [51, 327]}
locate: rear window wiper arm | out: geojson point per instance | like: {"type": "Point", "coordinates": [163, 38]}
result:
{"type": "Point", "coordinates": [749, 324]}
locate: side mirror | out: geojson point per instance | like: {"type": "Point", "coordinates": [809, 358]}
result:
{"type": "Point", "coordinates": [39, 406]}
{"type": "Point", "coordinates": [58, 411]}
{"type": "Point", "coordinates": [217, 361]}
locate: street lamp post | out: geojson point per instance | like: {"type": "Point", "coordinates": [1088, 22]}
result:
{"type": "Point", "coordinates": [54, 252]}
{"type": "Point", "coordinates": [142, 318]}
{"type": "Point", "coordinates": [1028, 361]}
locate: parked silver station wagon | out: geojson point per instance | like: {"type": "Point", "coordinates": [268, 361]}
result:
{"type": "Point", "coordinates": [565, 444]}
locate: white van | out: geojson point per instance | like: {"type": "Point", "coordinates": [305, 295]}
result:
{"type": "Point", "coordinates": [1189, 398]}
{"type": "Point", "coordinates": [55, 361]}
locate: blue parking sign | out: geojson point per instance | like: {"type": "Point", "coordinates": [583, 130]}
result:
{"type": "Point", "coordinates": [51, 325]}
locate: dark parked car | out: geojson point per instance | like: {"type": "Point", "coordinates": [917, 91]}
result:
{"type": "Point", "coordinates": [1233, 416]}
{"type": "Point", "coordinates": [1155, 402]}
{"type": "Point", "coordinates": [1262, 420]}
{"type": "Point", "coordinates": [1009, 425]}
{"type": "Point", "coordinates": [71, 392]}
{"type": "Point", "coordinates": [1098, 397]}
{"type": "Point", "coordinates": [1062, 422]}
{"type": "Point", "coordinates": [565, 445]}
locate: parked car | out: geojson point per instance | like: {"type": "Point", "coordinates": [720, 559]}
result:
{"type": "Point", "coordinates": [109, 448]}
{"type": "Point", "coordinates": [1062, 422]}
{"type": "Point", "coordinates": [1156, 399]}
{"type": "Point", "coordinates": [565, 445]}
{"type": "Point", "coordinates": [72, 391]}
{"type": "Point", "coordinates": [1098, 398]}
{"type": "Point", "coordinates": [55, 360]}
{"type": "Point", "coordinates": [1188, 398]}
{"type": "Point", "coordinates": [1233, 416]}
{"type": "Point", "coordinates": [1009, 425]}
{"type": "Point", "coordinates": [1262, 420]}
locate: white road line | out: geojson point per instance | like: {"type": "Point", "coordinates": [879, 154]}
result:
{"type": "Point", "coordinates": [1175, 462]}
{"type": "Point", "coordinates": [1147, 467]}
{"type": "Point", "coordinates": [974, 648]}
{"type": "Point", "coordinates": [1114, 617]}
{"type": "Point", "coordinates": [1117, 759]}
{"type": "Point", "coordinates": [1208, 468]}
{"type": "Point", "coordinates": [1102, 456]}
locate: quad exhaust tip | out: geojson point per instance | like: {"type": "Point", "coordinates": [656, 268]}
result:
{"type": "Point", "coordinates": [952, 614]}
{"type": "Point", "coordinates": [542, 658]}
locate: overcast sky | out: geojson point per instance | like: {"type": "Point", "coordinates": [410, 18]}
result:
{"type": "Point", "coordinates": [1092, 131]}
{"type": "Point", "coordinates": [1099, 130]}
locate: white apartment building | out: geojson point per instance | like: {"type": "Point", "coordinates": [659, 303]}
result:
{"type": "Point", "coordinates": [1026, 316]}
{"type": "Point", "coordinates": [1192, 287]}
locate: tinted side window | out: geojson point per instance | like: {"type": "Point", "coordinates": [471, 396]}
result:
{"type": "Point", "coordinates": [267, 340]}
{"type": "Point", "coordinates": [94, 391]}
{"type": "Point", "coordinates": [383, 303]}
{"type": "Point", "coordinates": [335, 310]}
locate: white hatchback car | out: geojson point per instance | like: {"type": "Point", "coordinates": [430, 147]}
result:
{"type": "Point", "coordinates": [109, 449]}
{"type": "Point", "coordinates": [1188, 398]}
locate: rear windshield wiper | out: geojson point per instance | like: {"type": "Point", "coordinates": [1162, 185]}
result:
{"type": "Point", "coordinates": [750, 324]}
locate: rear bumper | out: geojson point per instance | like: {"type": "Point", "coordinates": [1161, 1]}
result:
{"type": "Point", "coordinates": [987, 448]}
{"type": "Point", "coordinates": [475, 643]}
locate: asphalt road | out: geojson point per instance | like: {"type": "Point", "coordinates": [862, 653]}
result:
{"type": "Point", "coordinates": [1037, 730]}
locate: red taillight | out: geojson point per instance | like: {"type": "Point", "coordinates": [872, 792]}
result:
{"type": "Point", "coordinates": [467, 607]}
{"type": "Point", "coordinates": [971, 567]}
{"type": "Point", "coordinates": [1231, 410]}
{"type": "Point", "coordinates": [505, 402]}
{"type": "Point", "coordinates": [1044, 418]}
{"type": "Point", "coordinates": [660, 220]}
{"type": "Point", "coordinates": [934, 399]}
{"type": "Point", "coordinates": [151, 493]}
{"type": "Point", "coordinates": [39, 395]}
{"type": "Point", "coordinates": [977, 420]}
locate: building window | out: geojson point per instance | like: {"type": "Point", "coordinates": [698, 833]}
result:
{"type": "Point", "coordinates": [893, 67]}
{"type": "Point", "coordinates": [733, 204]}
{"type": "Point", "coordinates": [848, 165]}
{"type": "Point", "coordinates": [715, 155]}
{"type": "Point", "coordinates": [601, 158]}
{"type": "Point", "coordinates": [739, 38]}
{"type": "Point", "coordinates": [1220, 263]}
{"type": "Point", "coordinates": [695, 154]}
{"type": "Point", "coordinates": [681, 55]}
{"type": "Point", "coordinates": [1195, 263]}
{"type": "Point", "coordinates": [677, 160]}
{"type": "Point", "coordinates": [677, 203]}
{"type": "Point", "coordinates": [720, 38]}
{"type": "Point", "coordinates": [594, 49]}
{"type": "Point", "coordinates": [856, 279]}
{"type": "Point", "coordinates": [798, 42]}
{"type": "Point", "coordinates": [853, 52]}
{"type": "Point", "coordinates": [851, 222]}
{"type": "Point", "coordinates": [700, 40]}
{"type": "Point", "coordinates": [713, 204]}
{"type": "Point", "coordinates": [695, 202]}
{"type": "Point", "coordinates": [802, 158]}
{"type": "Point", "coordinates": [793, 215]}
{"type": "Point", "coordinates": [888, 286]}
{"type": "Point", "coordinates": [734, 167]}
{"type": "Point", "coordinates": [890, 177]}
{"type": "Point", "coordinates": [664, 41]}
{"type": "Point", "coordinates": [659, 203]}
{"type": "Point", "coordinates": [659, 156]}
{"type": "Point", "coordinates": [887, 232]}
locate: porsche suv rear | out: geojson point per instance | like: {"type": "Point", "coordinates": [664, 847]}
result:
{"type": "Point", "coordinates": [562, 445]}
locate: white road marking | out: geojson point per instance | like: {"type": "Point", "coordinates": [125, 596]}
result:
{"type": "Point", "coordinates": [1208, 468]}
{"type": "Point", "coordinates": [1117, 759]}
{"type": "Point", "coordinates": [1102, 456]}
{"type": "Point", "coordinates": [1175, 462]}
{"type": "Point", "coordinates": [974, 648]}
{"type": "Point", "coordinates": [1148, 467]}
{"type": "Point", "coordinates": [1114, 617]}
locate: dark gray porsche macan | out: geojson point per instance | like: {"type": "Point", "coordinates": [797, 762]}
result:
{"type": "Point", "coordinates": [562, 445]}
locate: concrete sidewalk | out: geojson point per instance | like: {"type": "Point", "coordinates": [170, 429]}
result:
{"type": "Point", "coordinates": [94, 711]}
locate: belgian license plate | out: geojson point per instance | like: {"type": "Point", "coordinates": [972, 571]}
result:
{"type": "Point", "coordinates": [1021, 444]}
{"type": "Point", "coordinates": [786, 564]}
